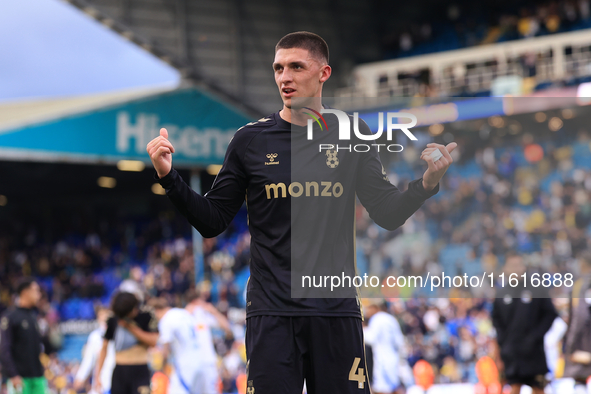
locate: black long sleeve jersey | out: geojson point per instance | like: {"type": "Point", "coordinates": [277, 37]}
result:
{"type": "Point", "coordinates": [301, 209]}
{"type": "Point", "coordinates": [20, 344]}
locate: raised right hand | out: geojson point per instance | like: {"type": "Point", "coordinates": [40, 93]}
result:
{"type": "Point", "coordinates": [160, 150]}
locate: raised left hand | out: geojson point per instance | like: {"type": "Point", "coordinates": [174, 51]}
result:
{"type": "Point", "coordinates": [435, 170]}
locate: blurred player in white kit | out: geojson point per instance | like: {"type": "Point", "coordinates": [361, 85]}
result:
{"type": "Point", "coordinates": [385, 337]}
{"type": "Point", "coordinates": [92, 350]}
{"type": "Point", "coordinates": [207, 317]}
{"type": "Point", "coordinates": [188, 348]}
{"type": "Point", "coordinates": [181, 347]}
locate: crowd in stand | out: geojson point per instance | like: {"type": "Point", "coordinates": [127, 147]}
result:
{"type": "Point", "coordinates": [493, 202]}
{"type": "Point", "coordinates": [465, 26]}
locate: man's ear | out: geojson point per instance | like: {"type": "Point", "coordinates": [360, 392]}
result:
{"type": "Point", "coordinates": [325, 73]}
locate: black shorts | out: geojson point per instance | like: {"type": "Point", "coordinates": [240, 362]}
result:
{"type": "Point", "coordinates": [533, 381]}
{"type": "Point", "coordinates": [328, 352]}
{"type": "Point", "coordinates": [131, 379]}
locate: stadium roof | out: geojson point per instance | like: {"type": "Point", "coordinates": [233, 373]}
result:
{"type": "Point", "coordinates": [227, 46]}
{"type": "Point", "coordinates": [20, 113]}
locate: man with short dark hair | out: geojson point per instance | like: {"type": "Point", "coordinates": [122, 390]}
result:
{"type": "Point", "coordinates": [21, 342]}
{"type": "Point", "coordinates": [133, 329]}
{"type": "Point", "coordinates": [289, 340]}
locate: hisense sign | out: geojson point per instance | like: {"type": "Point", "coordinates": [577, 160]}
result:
{"type": "Point", "coordinates": [189, 141]}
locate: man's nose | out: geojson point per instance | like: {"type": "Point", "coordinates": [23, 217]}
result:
{"type": "Point", "coordinates": [286, 75]}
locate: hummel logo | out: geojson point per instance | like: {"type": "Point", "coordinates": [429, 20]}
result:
{"type": "Point", "coordinates": [271, 157]}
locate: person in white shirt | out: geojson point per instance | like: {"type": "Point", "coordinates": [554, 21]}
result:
{"type": "Point", "coordinates": [552, 343]}
{"type": "Point", "coordinates": [207, 317]}
{"type": "Point", "coordinates": [385, 337]}
{"type": "Point", "coordinates": [92, 349]}
{"type": "Point", "coordinates": [195, 372]}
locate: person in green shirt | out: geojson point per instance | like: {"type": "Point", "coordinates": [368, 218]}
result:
{"type": "Point", "coordinates": [21, 343]}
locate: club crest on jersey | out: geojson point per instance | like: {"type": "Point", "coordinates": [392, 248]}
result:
{"type": "Point", "coordinates": [332, 161]}
{"type": "Point", "coordinates": [271, 157]}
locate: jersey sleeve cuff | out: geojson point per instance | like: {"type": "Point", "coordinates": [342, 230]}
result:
{"type": "Point", "coordinates": [168, 180]}
{"type": "Point", "coordinates": [419, 190]}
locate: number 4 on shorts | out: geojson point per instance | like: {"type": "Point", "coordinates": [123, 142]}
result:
{"type": "Point", "coordinates": [356, 374]}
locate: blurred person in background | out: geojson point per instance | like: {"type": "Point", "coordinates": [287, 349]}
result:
{"type": "Point", "coordinates": [385, 337]}
{"type": "Point", "coordinates": [133, 329]}
{"type": "Point", "coordinates": [521, 324]}
{"type": "Point", "coordinates": [233, 368]}
{"type": "Point", "coordinates": [181, 345]}
{"type": "Point", "coordinates": [207, 317]}
{"type": "Point", "coordinates": [92, 351]}
{"type": "Point", "coordinates": [134, 284]}
{"type": "Point", "coordinates": [21, 342]}
{"type": "Point", "coordinates": [577, 346]}
{"type": "Point", "coordinates": [552, 348]}
{"type": "Point", "coordinates": [465, 352]}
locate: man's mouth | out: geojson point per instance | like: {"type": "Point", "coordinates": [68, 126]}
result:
{"type": "Point", "coordinates": [288, 92]}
